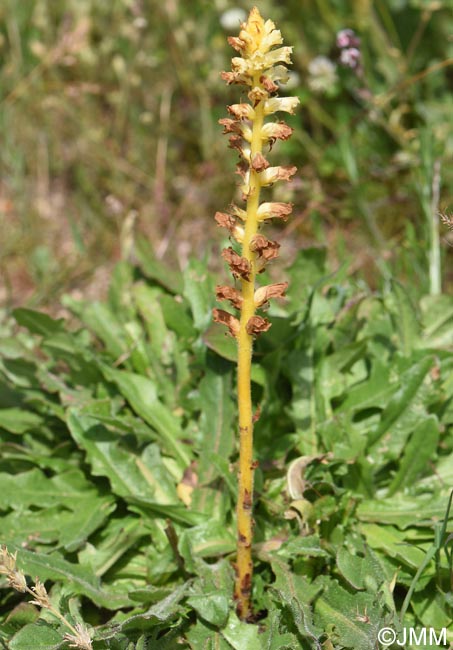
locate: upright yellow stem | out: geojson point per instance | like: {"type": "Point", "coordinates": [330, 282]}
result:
{"type": "Point", "coordinates": [261, 68]}
{"type": "Point", "coordinates": [245, 346]}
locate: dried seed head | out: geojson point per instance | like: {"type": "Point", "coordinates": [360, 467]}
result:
{"type": "Point", "coordinates": [225, 318]}
{"type": "Point", "coordinates": [228, 293]}
{"type": "Point", "coordinates": [80, 640]}
{"type": "Point", "coordinates": [15, 577]}
{"type": "Point", "coordinates": [41, 595]}
{"type": "Point", "coordinates": [447, 219]}
{"type": "Point", "coordinates": [16, 580]}
{"type": "Point", "coordinates": [264, 294]}
{"type": "Point", "coordinates": [7, 561]}
{"type": "Point", "coordinates": [256, 325]}
{"type": "Point", "coordinates": [239, 266]}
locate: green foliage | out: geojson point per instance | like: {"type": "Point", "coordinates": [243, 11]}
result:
{"type": "Point", "coordinates": [116, 482]}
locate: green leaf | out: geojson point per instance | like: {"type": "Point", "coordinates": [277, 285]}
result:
{"type": "Point", "coordinates": [352, 568]}
{"type": "Point", "coordinates": [199, 292]}
{"type": "Point", "coordinates": [211, 592]}
{"type": "Point", "coordinates": [337, 610]}
{"type": "Point", "coordinates": [403, 510]}
{"type": "Point", "coordinates": [308, 268]}
{"type": "Point", "coordinates": [165, 610]}
{"type": "Point", "coordinates": [212, 606]}
{"type": "Point", "coordinates": [273, 637]}
{"type": "Point", "coordinates": [297, 594]}
{"type": "Point", "coordinates": [111, 543]}
{"type": "Point", "coordinates": [38, 322]}
{"type": "Point", "coordinates": [148, 303]}
{"type": "Point", "coordinates": [431, 608]}
{"type": "Point", "coordinates": [70, 489]}
{"type": "Point", "coordinates": [205, 540]}
{"type": "Point", "coordinates": [217, 339]}
{"type": "Point", "coordinates": [241, 635]}
{"type": "Point", "coordinates": [19, 420]}
{"type": "Point", "coordinates": [202, 636]}
{"type": "Point", "coordinates": [155, 269]}
{"type": "Point", "coordinates": [418, 451]}
{"type": "Point", "coordinates": [69, 529]}
{"type": "Point", "coordinates": [177, 513]}
{"type": "Point", "coordinates": [373, 392]}
{"type": "Point", "coordinates": [405, 408]}
{"type": "Point", "coordinates": [100, 320]}
{"type": "Point", "coordinates": [79, 579]}
{"type": "Point", "coordinates": [307, 546]}
{"type": "Point", "coordinates": [141, 394]}
{"type": "Point", "coordinates": [177, 316]}
{"type": "Point", "coordinates": [217, 436]}
{"type": "Point", "coordinates": [129, 474]}
{"type": "Point", "coordinates": [405, 317]}
{"type": "Point", "coordinates": [437, 314]}
{"type": "Point", "coordinates": [37, 635]}
{"type": "Point", "coordinates": [23, 614]}
{"type": "Point", "coordinates": [393, 543]}
{"type": "Point", "coordinates": [119, 295]}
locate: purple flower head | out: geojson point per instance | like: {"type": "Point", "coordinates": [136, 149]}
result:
{"type": "Point", "coordinates": [350, 57]}
{"type": "Point", "coordinates": [347, 38]}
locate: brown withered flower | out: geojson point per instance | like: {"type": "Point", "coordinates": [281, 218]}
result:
{"type": "Point", "coordinates": [225, 318]}
{"type": "Point", "coordinates": [264, 294]}
{"type": "Point", "coordinates": [240, 266]}
{"type": "Point", "coordinates": [228, 293]}
{"type": "Point", "coordinates": [256, 325]}
{"type": "Point", "coordinates": [266, 248]}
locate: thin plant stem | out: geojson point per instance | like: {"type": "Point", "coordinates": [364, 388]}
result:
{"type": "Point", "coordinates": [435, 271]}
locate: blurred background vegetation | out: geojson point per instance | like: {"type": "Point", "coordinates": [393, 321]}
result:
{"type": "Point", "coordinates": [109, 112]}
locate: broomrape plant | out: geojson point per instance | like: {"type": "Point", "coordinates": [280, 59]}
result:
{"type": "Point", "coordinates": [260, 67]}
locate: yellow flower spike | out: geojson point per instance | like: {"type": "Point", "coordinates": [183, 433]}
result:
{"type": "Point", "coordinates": [260, 67]}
